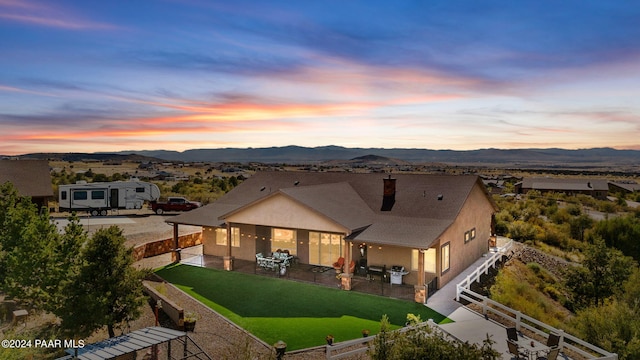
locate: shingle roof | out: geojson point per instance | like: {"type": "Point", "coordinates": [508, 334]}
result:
{"type": "Point", "coordinates": [565, 184]}
{"type": "Point", "coordinates": [425, 205]}
{"type": "Point", "coordinates": [30, 177]}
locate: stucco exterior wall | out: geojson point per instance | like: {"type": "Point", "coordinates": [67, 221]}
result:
{"type": "Point", "coordinates": [476, 213]}
{"type": "Point", "coordinates": [281, 211]}
{"type": "Point", "coordinates": [248, 242]}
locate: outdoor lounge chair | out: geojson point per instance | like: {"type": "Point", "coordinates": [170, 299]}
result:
{"type": "Point", "coordinates": [512, 334]}
{"type": "Point", "coordinates": [553, 340]}
{"type": "Point", "coordinates": [514, 350]}
{"type": "Point", "coordinates": [339, 264]}
{"type": "Point", "coordinates": [352, 267]}
{"type": "Point", "coordinates": [552, 355]}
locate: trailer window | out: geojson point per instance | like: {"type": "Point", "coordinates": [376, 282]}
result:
{"type": "Point", "coordinates": [63, 195]}
{"type": "Point", "coordinates": [97, 194]}
{"type": "Point", "coordinates": [140, 189]}
{"type": "Point", "coordinates": [79, 195]}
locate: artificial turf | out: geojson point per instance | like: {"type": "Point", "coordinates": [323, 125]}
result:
{"type": "Point", "coordinates": [300, 314]}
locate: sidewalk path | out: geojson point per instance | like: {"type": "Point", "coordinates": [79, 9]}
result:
{"type": "Point", "coordinates": [468, 325]}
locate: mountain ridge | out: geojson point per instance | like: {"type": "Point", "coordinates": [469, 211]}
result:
{"type": "Point", "coordinates": [527, 157]}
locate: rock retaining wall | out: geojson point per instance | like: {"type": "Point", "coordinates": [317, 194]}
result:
{"type": "Point", "coordinates": [164, 246]}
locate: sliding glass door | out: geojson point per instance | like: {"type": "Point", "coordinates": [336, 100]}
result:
{"type": "Point", "coordinates": [324, 248]}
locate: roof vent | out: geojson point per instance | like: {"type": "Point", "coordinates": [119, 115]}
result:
{"type": "Point", "coordinates": [263, 188]}
{"type": "Point", "coordinates": [296, 183]}
{"type": "Point", "coordinates": [440, 197]}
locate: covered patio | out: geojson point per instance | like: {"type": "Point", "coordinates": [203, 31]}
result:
{"type": "Point", "coordinates": [320, 275]}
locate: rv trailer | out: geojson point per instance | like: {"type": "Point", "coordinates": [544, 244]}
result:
{"type": "Point", "coordinates": [97, 198]}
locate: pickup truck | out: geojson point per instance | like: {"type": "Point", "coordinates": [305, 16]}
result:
{"type": "Point", "coordinates": [174, 204]}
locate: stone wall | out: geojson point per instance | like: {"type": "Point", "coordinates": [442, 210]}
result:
{"type": "Point", "coordinates": [555, 265]}
{"type": "Point", "coordinates": [164, 246]}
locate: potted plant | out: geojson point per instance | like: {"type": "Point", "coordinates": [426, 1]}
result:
{"type": "Point", "coordinates": [190, 318]}
{"type": "Point", "coordinates": [329, 339]}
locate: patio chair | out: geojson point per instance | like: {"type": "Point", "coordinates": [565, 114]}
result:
{"type": "Point", "coordinates": [552, 355]}
{"type": "Point", "coordinates": [515, 350]}
{"type": "Point", "coordinates": [512, 334]}
{"type": "Point", "coordinates": [553, 340]}
{"type": "Point", "coordinates": [352, 267]}
{"type": "Point", "coordinates": [339, 264]}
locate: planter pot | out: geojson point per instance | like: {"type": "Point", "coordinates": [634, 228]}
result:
{"type": "Point", "coordinates": [189, 326]}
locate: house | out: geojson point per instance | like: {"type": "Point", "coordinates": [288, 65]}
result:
{"type": "Point", "coordinates": [434, 226]}
{"type": "Point", "coordinates": [597, 188]}
{"type": "Point", "coordinates": [624, 186]}
{"type": "Point", "coordinates": [31, 178]}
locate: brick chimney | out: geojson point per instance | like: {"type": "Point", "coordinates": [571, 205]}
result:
{"type": "Point", "coordinates": [388, 194]}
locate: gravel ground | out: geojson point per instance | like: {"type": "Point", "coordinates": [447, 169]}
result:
{"type": "Point", "coordinates": [138, 226]}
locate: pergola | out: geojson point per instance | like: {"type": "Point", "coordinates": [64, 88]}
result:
{"type": "Point", "coordinates": [163, 343]}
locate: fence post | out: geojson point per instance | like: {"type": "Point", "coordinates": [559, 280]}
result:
{"type": "Point", "coordinates": [518, 318]}
{"type": "Point", "coordinates": [561, 334]}
{"type": "Point", "coordinates": [484, 306]}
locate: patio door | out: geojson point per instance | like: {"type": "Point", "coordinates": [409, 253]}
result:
{"type": "Point", "coordinates": [324, 248]}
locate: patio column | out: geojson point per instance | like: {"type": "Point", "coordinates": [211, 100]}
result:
{"type": "Point", "coordinates": [420, 294]}
{"type": "Point", "coordinates": [175, 256]}
{"type": "Point", "coordinates": [228, 259]}
{"type": "Point", "coordinates": [346, 275]}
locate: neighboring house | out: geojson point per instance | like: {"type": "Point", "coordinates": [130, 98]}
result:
{"type": "Point", "coordinates": [30, 177]}
{"type": "Point", "coordinates": [597, 188]}
{"type": "Point", "coordinates": [629, 186]}
{"type": "Point", "coordinates": [434, 226]}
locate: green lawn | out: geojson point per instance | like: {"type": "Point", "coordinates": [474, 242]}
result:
{"type": "Point", "coordinates": [299, 314]}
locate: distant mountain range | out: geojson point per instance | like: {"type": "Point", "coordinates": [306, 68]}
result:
{"type": "Point", "coordinates": [298, 154]}
{"type": "Point", "coordinates": [525, 158]}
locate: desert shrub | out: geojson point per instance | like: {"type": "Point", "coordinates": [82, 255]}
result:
{"type": "Point", "coordinates": [535, 267]}
{"type": "Point", "coordinates": [518, 287]}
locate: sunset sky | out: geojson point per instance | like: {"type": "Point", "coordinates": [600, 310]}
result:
{"type": "Point", "coordinates": [95, 76]}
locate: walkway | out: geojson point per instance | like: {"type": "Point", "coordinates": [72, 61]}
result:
{"type": "Point", "coordinates": [468, 325]}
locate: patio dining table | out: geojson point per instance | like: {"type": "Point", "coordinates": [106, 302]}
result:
{"type": "Point", "coordinates": [532, 348]}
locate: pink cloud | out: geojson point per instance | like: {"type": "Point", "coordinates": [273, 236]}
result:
{"type": "Point", "coordinates": [29, 12]}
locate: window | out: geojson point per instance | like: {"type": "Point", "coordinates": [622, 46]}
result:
{"type": "Point", "coordinates": [429, 260]}
{"type": "Point", "coordinates": [79, 195]}
{"type": "Point", "coordinates": [221, 236]}
{"type": "Point", "coordinates": [415, 259]}
{"type": "Point", "coordinates": [445, 252]}
{"type": "Point", "coordinates": [469, 235]}
{"type": "Point", "coordinates": [140, 189]}
{"type": "Point", "coordinates": [97, 194]}
{"type": "Point", "coordinates": [235, 237]}
{"type": "Point", "coordinates": [284, 239]}
{"type": "Point", "coordinates": [63, 195]}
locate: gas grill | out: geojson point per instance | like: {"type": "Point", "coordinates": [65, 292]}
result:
{"type": "Point", "coordinates": [396, 273]}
